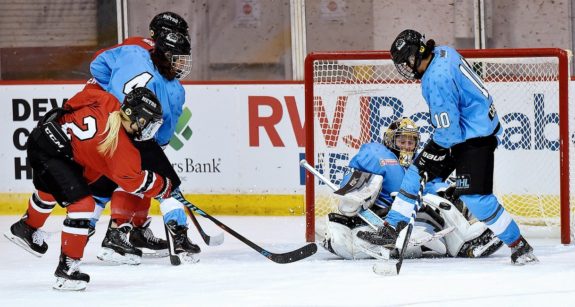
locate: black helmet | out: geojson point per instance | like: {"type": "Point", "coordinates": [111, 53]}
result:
{"type": "Point", "coordinates": [407, 51]}
{"type": "Point", "coordinates": [176, 48]}
{"type": "Point", "coordinates": [167, 21]}
{"type": "Point", "coordinates": [173, 42]}
{"type": "Point", "coordinates": [144, 109]}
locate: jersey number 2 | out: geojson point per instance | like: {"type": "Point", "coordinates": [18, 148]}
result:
{"type": "Point", "coordinates": [82, 134]}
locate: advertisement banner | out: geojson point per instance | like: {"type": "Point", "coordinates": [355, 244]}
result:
{"type": "Point", "coordinates": [235, 145]}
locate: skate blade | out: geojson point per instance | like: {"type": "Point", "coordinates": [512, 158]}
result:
{"type": "Point", "coordinates": [109, 255]}
{"type": "Point", "coordinates": [526, 259]}
{"type": "Point", "coordinates": [63, 284]}
{"type": "Point", "coordinates": [180, 258]}
{"type": "Point", "coordinates": [16, 240]}
{"type": "Point", "coordinates": [150, 253]}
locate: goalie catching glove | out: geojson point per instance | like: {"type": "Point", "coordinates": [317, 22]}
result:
{"type": "Point", "coordinates": [359, 192]}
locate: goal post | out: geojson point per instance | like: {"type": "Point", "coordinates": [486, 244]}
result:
{"type": "Point", "coordinates": [351, 97]}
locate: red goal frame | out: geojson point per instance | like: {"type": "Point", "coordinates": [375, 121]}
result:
{"type": "Point", "coordinates": [563, 75]}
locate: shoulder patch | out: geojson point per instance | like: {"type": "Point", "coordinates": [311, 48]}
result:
{"type": "Point", "coordinates": [384, 162]}
{"type": "Point", "coordinates": [442, 53]}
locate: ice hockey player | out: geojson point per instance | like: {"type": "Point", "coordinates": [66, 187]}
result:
{"type": "Point", "coordinates": [71, 147]}
{"type": "Point", "coordinates": [465, 138]}
{"type": "Point", "coordinates": [384, 165]}
{"type": "Point", "coordinates": [118, 70]}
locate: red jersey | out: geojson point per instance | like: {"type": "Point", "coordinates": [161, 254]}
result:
{"type": "Point", "coordinates": [85, 126]}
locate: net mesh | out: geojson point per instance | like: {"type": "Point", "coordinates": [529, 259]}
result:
{"type": "Point", "coordinates": [355, 100]}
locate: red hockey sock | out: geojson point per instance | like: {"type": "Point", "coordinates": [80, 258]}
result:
{"type": "Point", "coordinates": [123, 205]}
{"type": "Point", "coordinates": [141, 213]}
{"type": "Point", "coordinates": [40, 205]}
{"type": "Point", "coordinates": [75, 230]}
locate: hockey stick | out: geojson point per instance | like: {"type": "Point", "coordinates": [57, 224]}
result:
{"type": "Point", "coordinates": [388, 267]}
{"type": "Point", "coordinates": [209, 240]}
{"type": "Point", "coordinates": [292, 256]}
{"type": "Point", "coordinates": [366, 215]}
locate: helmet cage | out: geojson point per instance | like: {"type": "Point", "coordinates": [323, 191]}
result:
{"type": "Point", "coordinates": [407, 52]}
{"type": "Point", "coordinates": [143, 109]}
{"type": "Point", "coordinates": [181, 64]}
{"type": "Point", "coordinates": [406, 128]}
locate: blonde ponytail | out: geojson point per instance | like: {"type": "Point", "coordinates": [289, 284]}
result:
{"type": "Point", "coordinates": [109, 144]}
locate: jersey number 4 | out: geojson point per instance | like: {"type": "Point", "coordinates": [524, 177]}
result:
{"type": "Point", "coordinates": [138, 81]}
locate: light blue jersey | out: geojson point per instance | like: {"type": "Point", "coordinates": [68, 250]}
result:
{"type": "Point", "coordinates": [376, 158]}
{"type": "Point", "coordinates": [459, 105]}
{"type": "Point", "coordinates": [119, 70]}
{"type": "Point", "coordinates": [461, 108]}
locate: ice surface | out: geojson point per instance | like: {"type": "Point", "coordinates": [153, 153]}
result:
{"type": "Point", "coordinates": [234, 275]}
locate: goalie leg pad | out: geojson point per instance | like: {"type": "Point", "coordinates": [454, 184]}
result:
{"type": "Point", "coordinates": [338, 238]}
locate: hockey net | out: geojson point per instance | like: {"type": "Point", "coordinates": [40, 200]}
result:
{"type": "Point", "coordinates": [351, 98]}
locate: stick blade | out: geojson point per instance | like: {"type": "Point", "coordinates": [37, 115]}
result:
{"type": "Point", "coordinates": [216, 240]}
{"type": "Point", "coordinates": [386, 268]}
{"type": "Point", "coordinates": [293, 256]}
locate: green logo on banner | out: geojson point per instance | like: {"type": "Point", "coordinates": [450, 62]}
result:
{"type": "Point", "coordinates": [182, 130]}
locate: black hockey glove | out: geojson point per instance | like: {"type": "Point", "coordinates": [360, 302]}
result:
{"type": "Point", "coordinates": [432, 160]}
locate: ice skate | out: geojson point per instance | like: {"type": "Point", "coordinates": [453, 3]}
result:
{"type": "Point", "coordinates": [143, 238]}
{"type": "Point", "coordinates": [384, 236]}
{"type": "Point", "coordinates": [30, 239]}
{"type": "Point", "coordinates": [68, 275]}
{"type": "Point", "coordinates": [117, 248]}
{"type": "Point", "coordinates": [522, 253]}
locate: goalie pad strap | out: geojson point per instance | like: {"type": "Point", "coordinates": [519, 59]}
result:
{"type": "Point", "coordinates": [408, 195]}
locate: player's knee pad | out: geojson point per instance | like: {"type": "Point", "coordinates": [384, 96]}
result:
{"type": "Point", "coordinates": [78, 217]}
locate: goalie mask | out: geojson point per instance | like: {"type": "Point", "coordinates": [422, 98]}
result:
{"type": "Point", "coordinates": [168, 22]}
{"type": "Point", "coordinates": [145, 110]}
{"type": "Point", "coordinates": [176, 47]}
{"type": "Point", "coordinates": [402, 138]}
{"type": "Point", "coordinates": [407, 51]}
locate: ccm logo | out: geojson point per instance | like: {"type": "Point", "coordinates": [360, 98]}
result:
{"type": "Point", "coordinates": [432, 157]}
{"type": "Point", "coordinates": [53, 137]}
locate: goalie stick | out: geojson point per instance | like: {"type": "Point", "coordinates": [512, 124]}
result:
{"type": "Point", "coordinates": [209, 240]}
{"type": "Point", "coordinates": [292, 256]}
